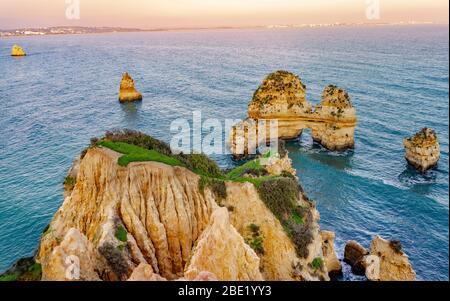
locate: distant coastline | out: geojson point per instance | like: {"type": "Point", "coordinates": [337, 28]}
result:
{"type": "Point", "coordinates": [69, 30]}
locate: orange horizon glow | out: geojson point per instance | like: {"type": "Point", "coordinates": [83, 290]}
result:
{"type": "Point", "coordinates": [214, 13]}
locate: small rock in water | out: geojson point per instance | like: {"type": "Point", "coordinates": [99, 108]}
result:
{"type": "Point", "coordinates": [128, 92]}
{"type": "Point", "coordinates": [17, 51]}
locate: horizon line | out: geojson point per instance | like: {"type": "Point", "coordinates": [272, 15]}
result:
{"type": "Point", "coordinates": [269, 26]}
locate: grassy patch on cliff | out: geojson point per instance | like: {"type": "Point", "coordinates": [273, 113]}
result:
{"type": "Point", "coordinates": [25, 269]}
{"type": "Point", "coordinates": [133, 153]}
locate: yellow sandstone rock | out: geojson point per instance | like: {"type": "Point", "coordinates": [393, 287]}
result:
{"type": "Point", "coordinates": [71, 260]}
{"type": "Point", "coordinates": [170, 228]}
{"type": "Point", "coordinates": [422, 150]}
{"type": "Point", "coordinates": [331, 260]}
{"type": "Point", "coordinates": [221, 245]}
{"type": "Point", "coordinates": [393, 264]}
{"type": "Point", "coordinates": [128, 92]}
{"type": "Point", "coordinates": [281, 97]}
{"type": "Point", "coordinates": [17, 51]}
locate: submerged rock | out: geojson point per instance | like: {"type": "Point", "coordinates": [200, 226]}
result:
{"type": "Point", "coordinates": [128, 92]}
{"type": "Point", "coordinates": [422, 150]}
{"type": "Point", "coordinates": [17, 51]}
{"type": "Point", "coordinates": [282, 97]}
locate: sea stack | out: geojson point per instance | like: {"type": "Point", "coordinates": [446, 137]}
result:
{"type": "Point", "coordinates": [17, 51]}
{"type": "Point", "coordinates": [385, 261]}
{"type": "Point", "coordinates": [127, 91]}
{"type": "Point", "coordinates": [282, 98]}
{"type": "Point", "coordinates": [422, 150]}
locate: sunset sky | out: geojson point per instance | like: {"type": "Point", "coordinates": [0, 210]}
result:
{"type": "Point", "coordinates": [213, 13]}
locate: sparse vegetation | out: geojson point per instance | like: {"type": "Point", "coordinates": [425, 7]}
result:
{"type": "Point", "coordinates": [281, 197]}
{"type": "Point", "coordinates": [69, 182]}
{"type": "Point", "coordinates": [396, 246]}
{"type": "Point", "coordinates": [255, 241]}
{"type": "Point", "coordinates": [317, 263]}
{"type": "Point", "coordinates": [121, 234]}
{"type": "Point", "coordinates": [115, 260]}
{"type": "Point", "coordinates": [25, 269]}
{"type": "Point", "coordinates": [46, 230]}
{"type": "Point", "coordinates": [217, 186]}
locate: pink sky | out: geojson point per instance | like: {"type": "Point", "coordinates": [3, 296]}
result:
{"type": "Point", "coordinates": [212, 13]}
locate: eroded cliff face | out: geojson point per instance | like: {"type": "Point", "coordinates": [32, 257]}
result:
{"type": "Point", "coordinates": [150, 221]}
{"type": "Point", "coordinates": [422, 150]}
{"type": "Point", "coordinates": [281, 97]}
{"type": "Point", "coordinates": [158, 206]}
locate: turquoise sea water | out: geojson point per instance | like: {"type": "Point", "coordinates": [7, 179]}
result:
{"type": "Point", "coordinates": [65, 92]}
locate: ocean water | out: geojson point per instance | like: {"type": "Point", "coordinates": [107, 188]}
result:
{"type": "Point", "coordinates": [65, 92]}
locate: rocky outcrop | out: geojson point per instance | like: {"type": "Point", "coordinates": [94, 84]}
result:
{"type": "Point", "coordinates": [282, 98]}
{"type": "Point", "coordinates": [354, 255]}
{"type": "Point", "coordinates": [332, 262]}
{"type": "Point", "coordinates": [144, 272]}
{"type": "Point", "coordinates": [422, 150]}
{"type": "Point", "coordinates": [279, 258]}
{"type": "Point", "coordinates": [277, 165]}
{"type": "Point", "coordinates": [221, 243]}
{"type": "Point", "coordinates": [71, 260]}
{"type": "Point", "coordinates": [17, 51]}
{"type": "Point", "coordinates": [151, 221]}
{"type": "Point", "coordinates": [393, 263]}
{"type": "Point", "coordinates": [127, 90]}
{"type": "Point", "coordinates": [385, 261]}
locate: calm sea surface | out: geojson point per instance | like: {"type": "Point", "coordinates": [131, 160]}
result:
{"type": "Point", "coordinates": [65, 92]}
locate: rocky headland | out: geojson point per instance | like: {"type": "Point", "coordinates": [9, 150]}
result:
{"type": "Point", "coordinates": [135, 211]}
{"type": "Point", "coordinates": [282, 97]}
{"type": "Point", "coordinates": [17, 51]}
{"type": "Point", "coordinates": [422, 150]}
{"type": "Point", "coordinates": [128, 92]}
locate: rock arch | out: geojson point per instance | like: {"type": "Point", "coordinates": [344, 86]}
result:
{"type": "Point", "coordinates": [282, 97]}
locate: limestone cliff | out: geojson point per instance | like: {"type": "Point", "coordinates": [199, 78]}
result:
{"type": "Point", "coordinates": [151, 221]}
{"type": "Point", "coordinates": [17, 51]}
{"type": "Point", "coordinates": [127, 90]}
{"type": "Point", "coordinates": [422, 150]}
{"type": "Point", "coordinates": [281, 97]}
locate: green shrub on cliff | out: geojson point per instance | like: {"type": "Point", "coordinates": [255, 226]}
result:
{"type": "Point", "coordinates": [69, 182]}
{"type": "Point", "coordinates": [317, 263]}
{"type": "Point", "coordinates": [255, 241]}
{"type": "Point", "coordinates": [115, 259]}
{"type": "Point", "coordinates": [121, 234]}
{"type": "Point", "coordinates": [217, 186]}
{"type": "Point", "coordinates": [281, 196]}
{"type": "Point", "coordinates": [25, 269]}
